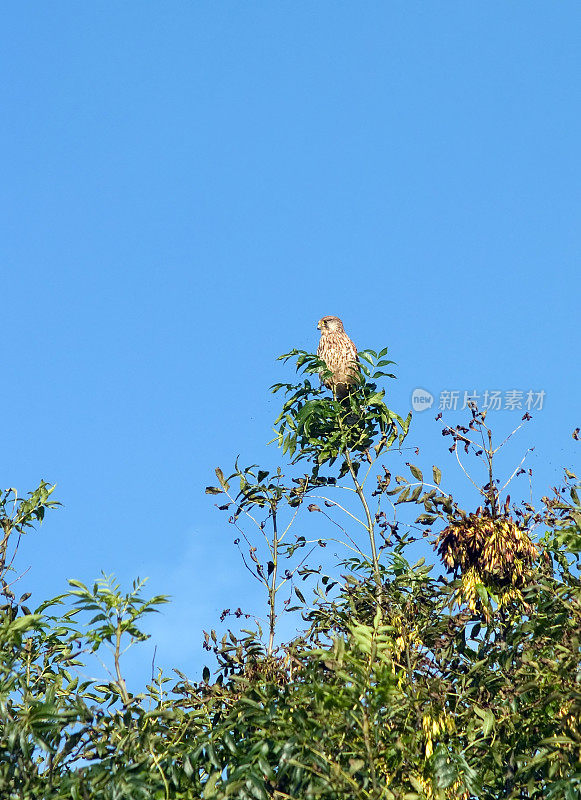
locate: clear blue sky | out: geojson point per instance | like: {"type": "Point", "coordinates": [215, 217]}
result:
{"type": "Point", "coordinates": [188, 187]}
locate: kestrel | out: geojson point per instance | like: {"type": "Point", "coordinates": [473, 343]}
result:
{"type": "Point", "coordinates": [339, 354]}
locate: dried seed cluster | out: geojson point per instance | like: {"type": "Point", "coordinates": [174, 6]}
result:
{"type": "Point", "coordinates": [487, 552]}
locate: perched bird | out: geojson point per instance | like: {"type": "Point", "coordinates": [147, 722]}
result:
{"type": "Point", "coordinates": [339, 354]}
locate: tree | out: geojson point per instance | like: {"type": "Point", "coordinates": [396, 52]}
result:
{"type": "Point", "coordinates": [402, 681]}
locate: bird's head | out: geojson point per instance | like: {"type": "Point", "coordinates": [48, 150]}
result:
{"type": "Point", "coordinates": [331, 324]}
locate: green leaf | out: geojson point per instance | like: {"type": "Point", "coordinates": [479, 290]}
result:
{"type": "Point", "coordinates": [300, 595]}
{"type": "Point", "coordinates": [557, 740]}
{"type": "Point", "coordinates": [417, 473]}
{"type": "Point", "coordinates": [482, 592]}
{"type": "Point", "coordinates": [487, 723]}
{"type": "Point", "coordinates": [210, 790]}
{"type": "Point", "coordinates": [25, 622]}
{"type": "Point", "coordinates": [416, 784]}
{"type": "Point", "coordinates": [415, 494]}
{"type": "Point", "coordinates": [426, 519]}
{"type": "Point", "coordinates": [403, 497]}
{"type": "Point", "coordinates": [437, 475]}
{"type": "Point", "coordinates": [223, 481]}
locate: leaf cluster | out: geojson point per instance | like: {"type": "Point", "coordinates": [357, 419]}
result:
{"type": "Point", "coordinates": [319, 428]}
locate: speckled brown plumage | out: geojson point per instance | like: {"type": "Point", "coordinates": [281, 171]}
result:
{"type": "Point", "coordinates": [339, 354]}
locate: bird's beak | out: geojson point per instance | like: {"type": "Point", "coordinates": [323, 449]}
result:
{"type": "Point", "coordinates": [318, 325]}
